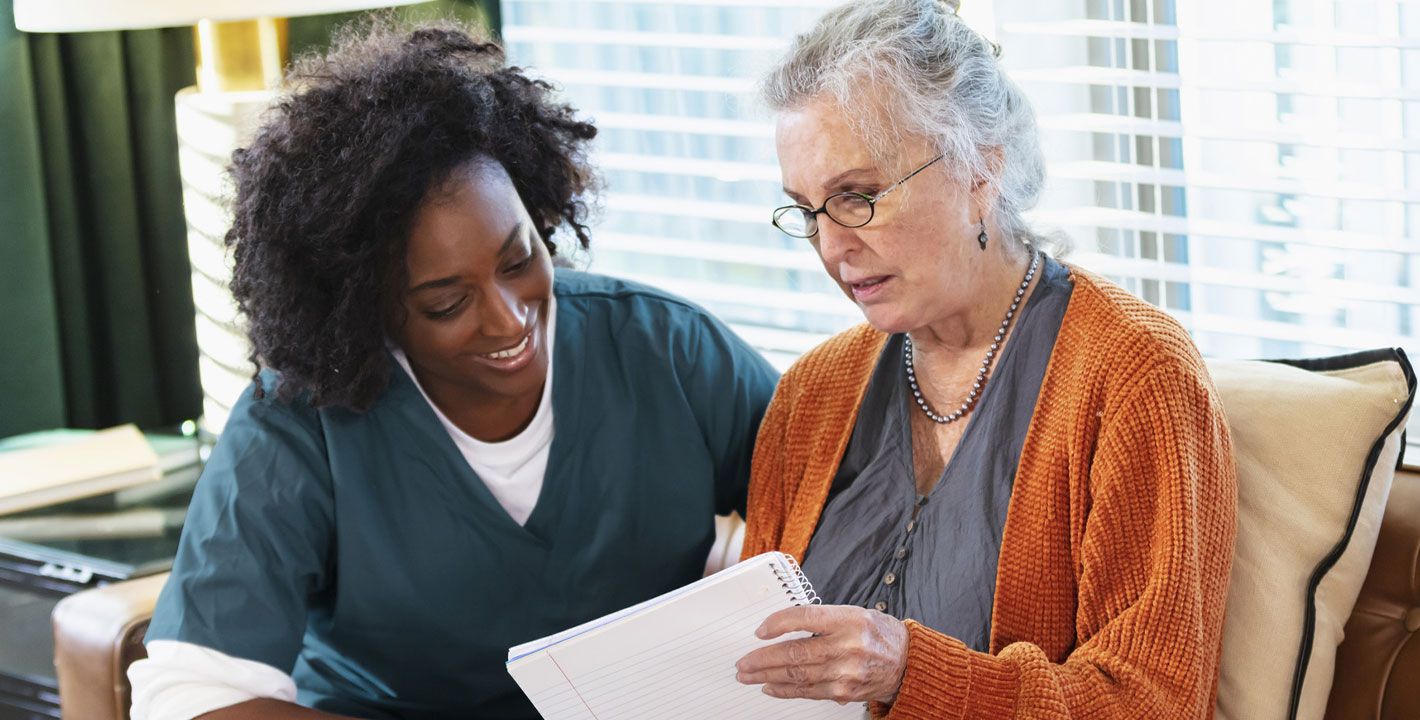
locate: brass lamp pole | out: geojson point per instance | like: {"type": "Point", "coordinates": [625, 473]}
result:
{"type": "Point", "coordinates": [241, 55]}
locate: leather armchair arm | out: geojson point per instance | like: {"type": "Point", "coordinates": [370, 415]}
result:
{"type": "Point", "coordinates": [1378, 665]}
{"type": "Point", "coordinates": [97, 634]}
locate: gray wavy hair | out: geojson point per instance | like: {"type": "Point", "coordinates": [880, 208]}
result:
{"type": "Point", "coordinates": [943, 81]}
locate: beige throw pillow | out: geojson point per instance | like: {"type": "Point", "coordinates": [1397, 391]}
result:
{"type": "Point", "coordinates": [1317, 443]}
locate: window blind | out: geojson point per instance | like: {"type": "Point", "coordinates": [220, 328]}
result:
{"type": "Point", "coordinates": [1252, 168]}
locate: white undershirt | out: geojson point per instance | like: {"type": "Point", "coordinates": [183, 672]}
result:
{"type": "Point", "coordinates": [180, 681]}
{"type": "Point", "coordinates": [512, 469]}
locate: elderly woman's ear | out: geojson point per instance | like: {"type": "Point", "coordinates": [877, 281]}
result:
{"type": "Point", "coordinates": [986, 189]}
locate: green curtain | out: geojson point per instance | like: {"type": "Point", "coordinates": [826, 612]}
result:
{"type": "Point", "coordinates": [96, 314]}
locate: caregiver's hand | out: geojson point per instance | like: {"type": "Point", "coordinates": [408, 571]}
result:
{"type": "Point", "coordinates": [855, 655]}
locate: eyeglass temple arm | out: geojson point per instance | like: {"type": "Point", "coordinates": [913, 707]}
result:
{"type": "Point", "coordinates": [910, 175]}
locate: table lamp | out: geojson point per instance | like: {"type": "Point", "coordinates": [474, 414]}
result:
{"type": "Point", "coordinates": [242, 50]}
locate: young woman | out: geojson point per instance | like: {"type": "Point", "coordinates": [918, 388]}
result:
{"type": "Point", "coordinates": [455, 447]}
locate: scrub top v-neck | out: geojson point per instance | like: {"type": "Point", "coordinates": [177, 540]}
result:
{"type": "Point", "coordinates": [360, 553]}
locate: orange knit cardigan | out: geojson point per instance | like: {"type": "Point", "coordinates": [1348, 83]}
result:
{"type": "Point", "coordinates": [1114, 562]}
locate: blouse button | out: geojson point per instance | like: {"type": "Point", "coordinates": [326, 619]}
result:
{"type": "Point", "coordinates": [880, 606]}
{"type": "Point", "coordinates": [901, 553]}
{"type": "Point", "coordinates": [889, 579]}
{"type": "Point", "coordinates": [911, 524]}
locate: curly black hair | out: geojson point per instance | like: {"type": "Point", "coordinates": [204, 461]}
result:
{"type": "Point", "coordinates": [327, 190]}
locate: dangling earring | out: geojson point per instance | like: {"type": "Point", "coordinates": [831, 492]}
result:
{"type": "Point", "coordinates": [981, 239]}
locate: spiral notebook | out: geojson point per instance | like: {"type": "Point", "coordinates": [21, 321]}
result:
{"type": "Point", "coordinates": [673, 656]}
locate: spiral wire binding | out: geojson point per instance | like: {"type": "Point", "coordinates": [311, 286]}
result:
{"type": "Point", "coordinates": [794, 582]}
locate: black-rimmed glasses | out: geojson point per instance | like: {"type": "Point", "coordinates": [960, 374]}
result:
{"type": "Point", "coordinates": [849, 209]}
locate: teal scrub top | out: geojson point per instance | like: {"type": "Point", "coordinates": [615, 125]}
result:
{"type": "Point", "coordinates": [360, 553]}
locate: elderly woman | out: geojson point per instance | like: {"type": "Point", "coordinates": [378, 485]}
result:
{"type": "Point", "coordinates": [1013, 486]}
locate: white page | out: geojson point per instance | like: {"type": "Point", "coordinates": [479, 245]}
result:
{"type": "Point", "coordinates": [671, 657]}
{"type": "Point", "coordinates": [586, 627]}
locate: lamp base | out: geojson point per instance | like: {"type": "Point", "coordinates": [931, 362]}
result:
{"type": "Point", "coordinates": [209, 127]}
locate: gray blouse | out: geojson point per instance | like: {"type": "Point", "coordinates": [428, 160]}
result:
{"type": "Point", "coordinates": [933, 557]}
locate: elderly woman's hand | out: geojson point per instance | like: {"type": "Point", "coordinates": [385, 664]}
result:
{"type": "Point", "coordinates": [855, 655]}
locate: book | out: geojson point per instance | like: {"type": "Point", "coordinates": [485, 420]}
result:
{"type": "Point", "coordinates": [122, 525]}
{"type": "Point", "coordinates": [180, 460]}
{"type": "Point", "coordinates": [175, 452]}
{"type": "Point", "coordinates": [179, 465]}
{"type": "Point", "coordinates": [102, 462]}
{"type": "Point", "coordinates": [673, 656]}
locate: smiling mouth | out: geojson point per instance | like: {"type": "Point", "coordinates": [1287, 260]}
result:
{"type": "Point", "coordinates": [510, 352]}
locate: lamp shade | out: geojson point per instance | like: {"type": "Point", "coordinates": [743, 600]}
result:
{"type": "Point", "coordinates": [86, 15]}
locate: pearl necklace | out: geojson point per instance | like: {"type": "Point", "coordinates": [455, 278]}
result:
{"type": "Point", "coordinates": [985, 363]}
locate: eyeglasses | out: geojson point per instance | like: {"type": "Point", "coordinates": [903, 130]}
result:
{"type": "Point", "coordinates": [849, 209]}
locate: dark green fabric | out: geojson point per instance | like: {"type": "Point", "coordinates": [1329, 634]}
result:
{"type": "Point", "coordinates": [98, 322]}
{"type": "Point", "coordinates": [30, 374]}
{"type": "Point", "coordinates": [96, 315]}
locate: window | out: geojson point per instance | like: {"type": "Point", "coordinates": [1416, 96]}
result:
{"type": "Point", "coordinates": [1253, 168]}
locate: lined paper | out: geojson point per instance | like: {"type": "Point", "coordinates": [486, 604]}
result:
{"type": "Point", "coordinates": [673, 656]}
